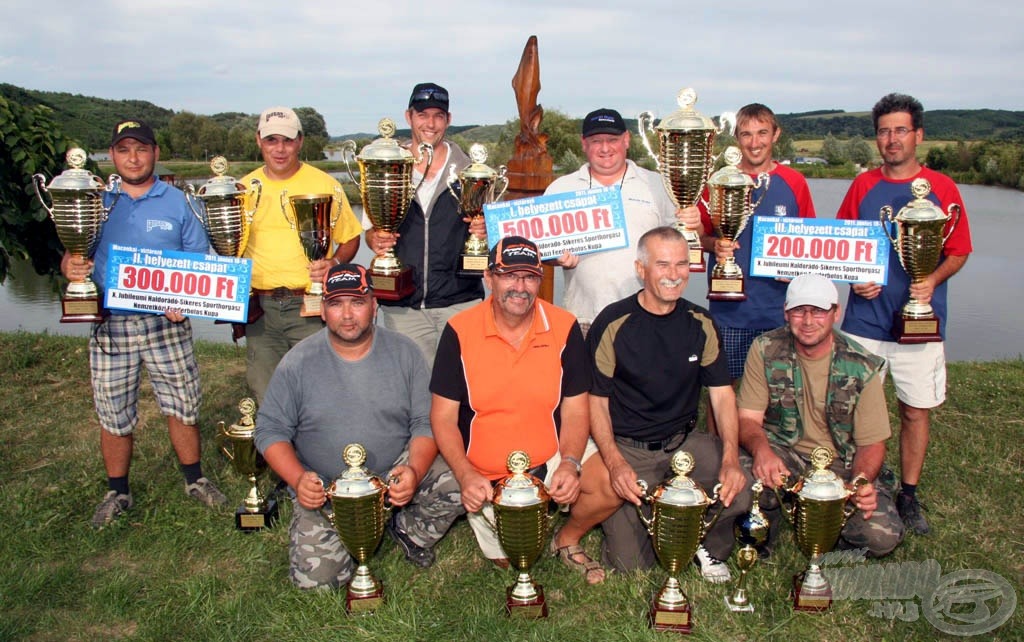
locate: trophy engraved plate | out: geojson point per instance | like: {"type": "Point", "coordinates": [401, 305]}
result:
{"type": "Point", "coordinates": [818, 513]}
{"type": "Point", "coordinates": [917, 236]}
{"type": "Point", "coordinates": [220, 205]}
{"type": "Point", "coordinates": [312, 217]}
{"type": "Point", "coordinates": [684, 158]}
{"type": "Point", "coordinates": [236, 443]}
{"type": "Point", "coordinates": [730, 207]}
{"type": "Point", "coordinates": [750, 530]}
{"type": "Point", "coordinates": [521, 523]}
{"type": "Point", "coordinates": [478, 186]}
{"type": "Point", "coordinates": [359, 511]}
{"type": "Point", "coordinates": [76, 208]}
{"type": "Point", "coordinates": [676, 527]}
{"type": "Point", "coordinates": [386, 189]}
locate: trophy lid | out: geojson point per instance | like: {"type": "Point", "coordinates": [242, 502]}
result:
{"type": "Point", "coordinates": [686, 118]}
{"type": "Point", "coordinates": [821, 483]}
{"type": "Point", "coordinates": [356, 481]}
{"type": "Point", "coordinates": [478, 168]}
{"type": "Point", "coordinates": [921, 209]}
{"type": "Point", "coordinates": [221, 185]}
{"type": "Point", "coordinates": [520, 488]}
{"type": "Point", "coordinates": [385, 148]}
{"type": "Point", "coordinates": [246, 425]}
{"type": "Point", "coordinates": [681, 490]}
{"type": "Point", "coordinates": [730, 175]}
{"type": "Point", "coordinates": [75, 178]}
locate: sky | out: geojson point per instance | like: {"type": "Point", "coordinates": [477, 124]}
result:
{"type": "Point", "coordinates": [356, 62]}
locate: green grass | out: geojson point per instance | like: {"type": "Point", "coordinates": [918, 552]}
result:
{"type": "Point", "coordinates": [172, 569]}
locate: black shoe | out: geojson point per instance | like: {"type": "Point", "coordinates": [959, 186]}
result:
{"type": "Point", "coordinates": [910, 511]}
{"type": "Point", "coordinates": [422, 557]}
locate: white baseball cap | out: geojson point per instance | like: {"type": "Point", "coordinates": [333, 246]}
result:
{"type": "Point", "coordinates": [811, 289]}
{"type": "Point", "coordinates": [281, 121]}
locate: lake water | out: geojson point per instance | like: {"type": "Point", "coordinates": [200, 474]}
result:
{"type": "Point", "coordinates": [986, 306]}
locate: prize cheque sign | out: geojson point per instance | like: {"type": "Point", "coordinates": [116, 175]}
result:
{"type": "Point", "coordinates": [581, 222]}
{"type": "Point", "coordinates": [200, 285]}
{"type": "Point", "coordinates": [842, 250]}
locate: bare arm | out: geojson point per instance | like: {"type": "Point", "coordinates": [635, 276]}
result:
{"type": "Point", "coordinates": [867, 462]}
{"type": "Point", "coordinates": [572, 440]}
{"type": "Point", "coordinates": [444, 420]}
{"type": "Point", "coordinates": [422, 451]}
{"type": "Point", "coordinates": [622, 475]}
{"type": "Point", "coordinates": [951, 265]}
{"type": "Point", "coordinates": [723, 403]}
{"type": "Point", "coordinates": [309, 488]}
{"type": "Point", "coordinates": [768, 467]}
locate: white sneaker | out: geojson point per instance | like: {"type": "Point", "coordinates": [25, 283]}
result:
{"type": "Point", "coordinates": [713, 570]}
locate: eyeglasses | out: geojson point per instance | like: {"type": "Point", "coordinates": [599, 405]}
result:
{"type": "Point", "coordinates": [509, 278]}
{"type": "Point", "coordinates": [898, 132]}
{"type": "Point", "coordinates": [816, 313]}
{"type": "Point", "coordinates": [429, 94]}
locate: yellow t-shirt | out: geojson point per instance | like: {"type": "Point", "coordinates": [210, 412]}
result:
{"type": "Point", "coordinates": [277, 256]}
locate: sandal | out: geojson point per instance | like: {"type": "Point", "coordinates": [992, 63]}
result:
{"type": "Point", "coordinates": [577, 559]}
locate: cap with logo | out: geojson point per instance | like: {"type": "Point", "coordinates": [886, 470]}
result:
{"type": "Point", "coordinates": [428, 94]}
{"type": "Point", "coordinates": [515, 254]}
{"type": "Point", "coordinates": [136, 129]}
{"type": "Point", "coordinates": [811, 289]}
{"type": "Point", "coordinates": [603, 121]}
{"type": "Point", "coordinates": [346, 279]}
{"type": "Point", "coordinates": [281, 121]}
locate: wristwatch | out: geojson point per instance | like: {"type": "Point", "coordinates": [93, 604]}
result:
{"type": "Point", "coordinates": [575, 462]}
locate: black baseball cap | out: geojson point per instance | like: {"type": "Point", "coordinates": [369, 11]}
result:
{"type": "Point", "coordinates": [428, 94]}
{"type": "Point", "coordinates": [515, 254]}
{"type": "Point", "coordinates": [603, 121]}
{"type": "Point", "coordinates": [136, 129]}
{"type": "Point", "coordinates": [346, 279]}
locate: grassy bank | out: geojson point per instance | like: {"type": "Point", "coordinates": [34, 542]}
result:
{"type": "Point", "coordinates": [172, 569]}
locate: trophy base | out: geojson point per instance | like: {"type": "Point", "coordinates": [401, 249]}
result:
{"type": "Point", "coordinates": [264, 518]}
{"type": "Point", "coordinates": [532, 609]}
{"type": "Point", "coordinates": [311, 304]}
{"type": "Point", "coordinates": [697, 263]}
{"type": "Point", "coordinates": [810, 600]}
{"type": "Point", "coordinates": [81, 310]}
{"type": "Point", "coordinates": [472, 266]}
{"type": "Point", "coordinates": [364, 604]}
{"type": "Point", "coordinates": [909, 330]}
{"type": "Point", "coordinates": [726, 289]}
{"type": "Point", "coordinates": [393, 287]}
{"type": "Point", "coordinates": [676, 618]}
{"type": "Point", "coordinates": [738, 603]}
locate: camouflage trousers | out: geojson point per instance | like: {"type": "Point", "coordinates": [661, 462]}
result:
{"type": "Point", "coordinates": [317, 558]}
{"type": "Point", "coordinates": [878, 535]}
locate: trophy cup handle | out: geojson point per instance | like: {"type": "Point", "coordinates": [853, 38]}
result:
{"type": "Point", "coordinates": [721, 507]}
{"type": "Point", "coordinates": [284, 209]}
{"type": "Point", "coordinates": [255, 187]}
{"type": "Point", "coordinates": [348, 149]}
{"type": "Point", "coordinates": [502, 178]}
{"type": "Point", "coordinates": [190, 198]}
{"type": "Point", "coordinates": [339, 194]}
{"type": "Point", "coordinates": [953, 207]}
{"type": "Point", "coordinates": [39, 181]}
{"type": "Point", "coordinates": [765, 181]}
{"type": "Point", "coordinates": [858, 481]}
{"type": "Point", "coordinates": [645, 123]}
{"type": "Point", "coordinates": [648, 522]}
{"type": "Point", "coordinates": [788, 508]}
{"type": "Point", "coordinates": [453, 178]}
{"type": "Point", "coordinates": [113, 187]}
{"type": "Point", "coordinates": [885, 215]}
{"type": "Point", "coordinates": [727, 123]}
{"type": "Point", "coordinates": [428, 149]}
{"type": "Point", "coordinates": [221, 439]}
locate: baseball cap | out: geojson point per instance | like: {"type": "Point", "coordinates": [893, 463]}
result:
{"type": "Point", "coordinates": [514, 254]}
{"type": "Point", "coordinates": [346, 279]}
{"type": "Point", "coordinates": [811, 289]}
{"type": "Point", "coordinates": [603, 121]}
{"type": "Point", "coordinates": [136, 129]}
{"type": "Point", "coordinates": [427, 94]}
{"type": "Point", "coordinates": [281, 121]}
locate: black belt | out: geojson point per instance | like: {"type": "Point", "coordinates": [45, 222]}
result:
{"type": "Point", "coordinates": [279, 293]}
{"type": "Point", "coordinates": [659, 444]}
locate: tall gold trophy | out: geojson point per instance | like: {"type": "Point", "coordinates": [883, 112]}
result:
{"type": "Point", "coordinates": [479, 185]}
{"type": "Point", "coordinates": [236, 442]}
{"type": "Point", "coordinates": [359, 511]}
{"type": "Point", "coordinates": [685, 143]}
{"type": "Point", "coordinates": [730, 206]}
{"type": "Point", "coordinates": [676, 527]}
{"type": "Point", "coordinates": [386, 189]}
{"type": "Point", "coordinates": [220, 206]}
{"type": "Point", "coordinates": [522, 524]}
{"type": "Point", "coordinates": [76, 207]}
{"type": "Point", "coordinates": [918, 241]}
{"type": "Point", "coordinates": [312, 217]}
{"type": "Point", "coordinates": [751, 530]}
{"type": "Point", "coordinates": [818, 515]}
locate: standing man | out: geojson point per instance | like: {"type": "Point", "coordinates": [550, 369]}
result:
{"type": "Point", "coordinates": [652, 352]}
{"type": "Point", "coordinates": [280, 270]}
{"type": "Point", "coordinates": [740, 322]}
{"type": "Point", "coordinates": [511, 374]}
{"type": "Point", "coordinates": [807, 385]}
{"type": "Point", "coordinates": [433, 233]}
{"type": "Point", "coordinates": [594, 280]}
{"type": "Point", "coordinates": [148, 214]}
{"type": "Point", "coordinates": [349, 383]}
{"type": "Point", "coordinates": [918, 370]}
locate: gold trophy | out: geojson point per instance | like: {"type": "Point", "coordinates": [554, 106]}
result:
{"type": "Point", "coordinates": [676, 527]}
{"type": "Point", "coordinates": [313, 218]}
{"type": "Point", "coordinates": [751, 530]}
{"type": "Point", "coordinates": [730, 206]}
{"type": "Point", "coordinates": [76, 207]}
{"type": "Point", "coordinates": [818, 515]}
{"type": "Point", "coordinates": [522, 524]}
{"type": "Point", "coordinates": [386, 189]}
{"type": "Point", "coordinates": [359, 511]}
{"type": "Point", "coordinates": [685, 143]}
{"type": "Point", "coordinates": [479, 185]}
{"type": "Point", "coordinates": [220, 206]}
{"type": "Point", "coordinates": [918, 242]}
{"type": "Point", "coordinates": [236, 442]}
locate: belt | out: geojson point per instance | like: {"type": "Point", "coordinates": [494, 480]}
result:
{"type": "Point", "coordinates": [279, 293]}
{"type": "Point", "coordinates": [659, 444]}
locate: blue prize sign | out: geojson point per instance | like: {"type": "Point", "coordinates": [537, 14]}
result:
{"type": "Point", "coordinates": [842, 250]}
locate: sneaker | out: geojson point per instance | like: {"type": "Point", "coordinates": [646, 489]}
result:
{"type": "Point", "coordinates": [204, 490]}
{"type": "Point", "coordinates": [713, 570]}
{"type": "Point", "coordinates": [113, 504]}
{"type": "Point", "coordinates": [418, 555]}
{"type": "Point", "coordinates": [910, 511]}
